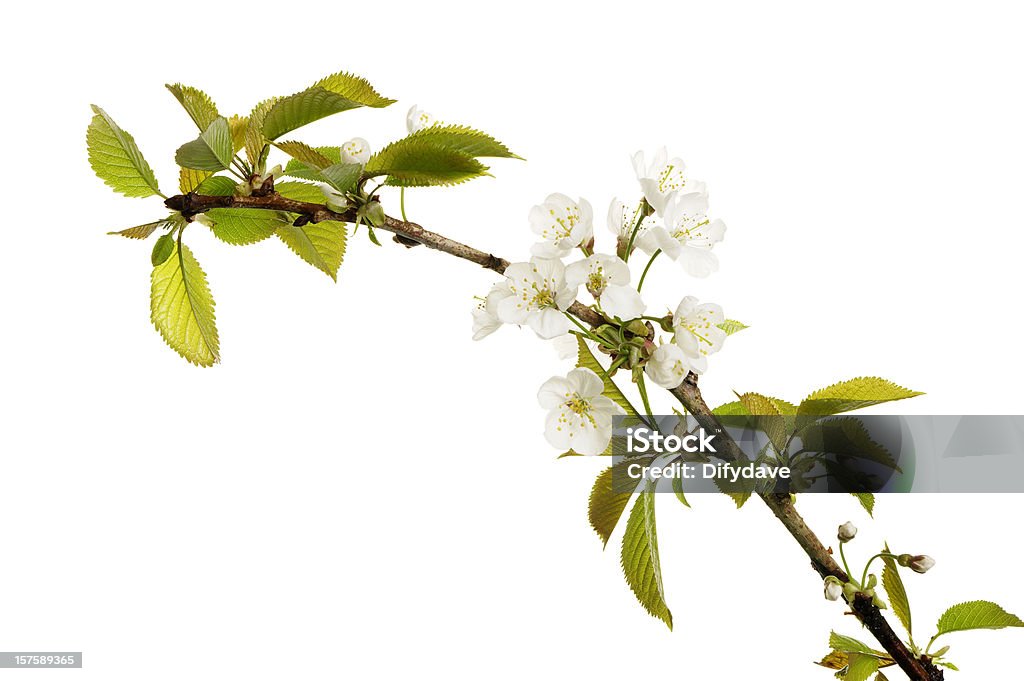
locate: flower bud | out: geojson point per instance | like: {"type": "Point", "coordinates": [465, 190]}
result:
{"type": "Point", "coordinates": [920, 564]}
{"type": "Point", "coordinates": [847, 531]}
{"type": "Point", "coordinates": [833, 588]}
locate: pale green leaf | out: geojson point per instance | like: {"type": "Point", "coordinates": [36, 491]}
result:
{"type": "Point", "coordinates": [243, 226]}
{"type": "Point", "coordinates": [464, 139]}
{"type": "Point", "coordinates": [333, 94]}
{"type": "Point", "coordinates": [116, 159]}
{"type": "Point", "coordinates": [856, 393]}
{"type": "Point", "coordinates": [197, 103]}
{"type": "Point", "coordinates": [848, 644]}
{"type": "Point", "coordinates": [342, 176]}
{"type": "Point", "coordinates": [296, 168]}
{"type": "Point", "coordinates": [321, 244]}
{"type": "Point", "coordinates": [731, 326]}
{"type": "Point", "coordinates": [861, 667]}
{"type": "Point", "coordinates": [586, 359]}
{"type": "Point", "coordinates": [144, 231]}
{"type": "Point", "coordinates": [640, 559]}
{"type": "Point", "coordinates": [212, 150]}
{"type": "Point", "coordinates": [183, 309]}
{"type": "Point", "coordinates": [306, 155]}
{"type": "Point", "coordinates": [189, 179]}
{"type": "Point", "coordinates": [976, 615]}
{"type": "Point", "coordinates": [896, 592]}
{"type": "Point", "coordinates": [218, 185]}
{"type": "Point", "coordinates": [239, 126]}
{"type": "Point", "coordinates": [608, 500]}
{"type": "Point", "coordinates": [867, 500]}
{"type": "Point", "coordinates": [410, 162]}
{"type": "Point", "coordinates": [256, 144]}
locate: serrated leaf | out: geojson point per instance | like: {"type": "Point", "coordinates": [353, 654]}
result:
{"type": "Point", "coordinates": [867, 500]}
{"type": "Point", "coordinates": [238, 126]}
{"type": "Point", "coordinates": [333, 94]}
{"type": "Point", "coordinates": [463, 139]}
{"type": "Point", "coordinates": [608, 501]}
{"type": "Point", "coordinates": [255, 142]}
{"type": "Point", "coordinates": [183, 309]}
{"type": "Point", "coordinates": [189, 179]}
{"type": "Point", "coordinates": [410, 162]}
{"type": "Point", "coordinates": [296, 168]}
{"type": "Point", "coordinates": [218, 185]}
{"type": "Point", "coordinates": [197, 103]}
{"type": "Point", "coordinates": [731, 326]}
{"type": "Point", "coordinates": [243, 226]}
{"type": "Point", "coordinates": [163, 248]}
{"type": "Point", "coordinates": [342, 176]}
{"type": "Point", "coordinates": [640, 559]}
{"type": "Point", "coordinates": [141, 231]}
{"type": "Point", "coordinates": [306, 155]}
{"type": "Point", "coordinates": [774, 425]}
{"type": "Point", "coordinates": [855, 393]}
{"type": "Point", "coordinates": [846, 436]}
{"type": "Point", "coordinates": [848, 644]}
{"type": "Point", "coordinates": [212, 150]}
{"type": "Point", "coordinates": [976, 615]}
{"type": "Point", "coordinates": [585, 358]}
{"type": "Point", "coordinates": [321, 244]}
{"type": "Point", "coordinates": [838, 659]}
{"type": "Point", "coordinates": [116, 159]}
{"type": "Point", "coordinates": [677, 488]}
{"type": "Point", "coordinates": [861, 667]}
{"type": "Point", "coordinates": [897, 593]}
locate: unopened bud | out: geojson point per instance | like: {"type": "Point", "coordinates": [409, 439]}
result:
{"type": "Point", "coordinates": [374, 213]}
{"type": "Point", "coordinates": [921, 564]}
{"type": "Point", "coordinates": [833, 588]}
{"type": "Point", "coordinates": [847, 531]}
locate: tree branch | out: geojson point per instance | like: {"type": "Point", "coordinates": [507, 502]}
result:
{"type": "Point", "coordinates": [687, 393]}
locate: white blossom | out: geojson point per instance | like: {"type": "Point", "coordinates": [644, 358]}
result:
{"type": "Point", "coordinates": [833, 588]}
{"type": "Point", "coordinates": [579, 417]}
{"type": "Point", "coordinates": [669, 365]}
{"type": "Point", "coordinates": [607, 279]}
{"type": "Point", "coordinates": [661, 177]}
{"type": "Point", "coordinates": [688, 235]}
{"type": "Point", "coordinates": [416, 120]}
{"type": "Point", "coordinates": [562, 223]}
{"type": "Point", "coordinates": [539, 295]}
{"type": "Point", "coordinates": [565, 346]}
{"type": "Point", "coordinates": [696, 330]}
{"type": "Point", "coordinates": [356, 150]}
{"type": "Point", "coordinates": [485, 315]}
{"type": "Point", "coordinates": [847, 531]}
{"type": "Point", "coordinates": [920, 564]}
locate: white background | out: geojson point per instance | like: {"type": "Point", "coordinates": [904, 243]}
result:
{"type": "Point", "coordinates": [361, 491]}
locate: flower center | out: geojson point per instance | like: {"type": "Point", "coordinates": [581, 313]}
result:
{"type": "Point", "coordinates": [578, 405]}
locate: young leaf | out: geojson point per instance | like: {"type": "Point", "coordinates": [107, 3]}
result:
{"type": "Point", "coordinates": [333, 94]}
{"type": "Point", "coordinates": [255, 142]}
{"type": "Point", "coordinates": [411, 162]}
{"type": "Point", "coordinates": [976, 615]}
{"type": "Point", "coordinates": [848, 644]}
{"type": "Point", "coordinates": [189, 179]}
{"type": "Point", "coordinates": [183, 309]}
{"type": "Point", "coordinates": [197, 103]}
{"type": "Point", "coordinates": [162, 250]}
{"type": "Point", "coordinates": [238, 126]}
{"type": "Point", "coordinates": [640, 561]}
{"type": "Point", "coordinates": [342, 176]}
{"type": "Point", "coordinates": [861, 667]}
{"type": "Point", "coordinates": [116, 159]}
{"type": "Point", "coordinates": [867, 500]}
{"type": "Point", "coordinates": [897, 593]}
{"type": "Point", "coordinates": [586, 359]}
{"type": "Point", "coordinates": [217, 185]}
{"type": "Point", "coordinates": [141, 231]}
{"type": "Point", "coordinates": [212, 150]}
{"type": "Point", "coordinates": [296, 168]}
{"type": "Point", "coordinates": [321, 244]}
{"type": "Point", "coordinates": [608, 501]}
{"type": "Point", "coordinates": [856, 393]}
{"type": "Point", "coordinates": [464, 139]}
{"type": "Point", "coordinates": [243, 226]}
{"type": "Point", "coordinates": [731, 326]}
{"type": "Point", "coordinates": [306, 155]}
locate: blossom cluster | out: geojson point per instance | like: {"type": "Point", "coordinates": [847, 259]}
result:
{"type": "Point", "coordinates": [672, 219]}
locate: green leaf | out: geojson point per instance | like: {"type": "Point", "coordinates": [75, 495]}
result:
{"type": "Point", "coordinates": [677, 487]}
{"type": "Point", "coordinates": [306, 156]}
{"type": "Point", "coordinates": [773, 424]}
{"type": "Point", "coordinates": [189, 179]}
{"type": "Point", "coordinates": [212, 150]}
{"type": "Point", "coordinates": [243, 226]}
{"type": "Point", "coordinates": [182, 308]}
{"type": "Point", "coordinates": [867, 500]}
{"type": "Point", "coordinates": [640, 562]}
{"type": "Point", "coordinates": [238, 125]}
{"type": "Point", "coordinates": [947, 665]}
{"type": "Point", "coordinates": [861, 667]}
{"type": "Point", "coordinates": [848, 644]}
{"type": "Point", "coordinates": [411, 162]}
{"type": "Point", "coordinates": [976, 615]}
{"type": "Point", "coordinates": [255, 142]}
{"type": "Point", "coordinates": [586, 359]}
{"type": "Point", "coordinates": [608, 500]}
{"type": "Point", "coordinates": [296, 168]}
{"type": "Point", "coordinates": [197, 103]}
{"type": "Point", "coordinates": [342, 176]}
{"type": "Point", "coordinates": [116, 159]}
{"type": "Point", "coordinates": [143, 231]}
{"type": "Point", "coordinates": [897, 593]}
{"type": "Point", "coordinates": [218, 185]}
{"type": "Point", "coordinates": [333, 94]}
{"type": "Point", "coordinates": [856, 393]}
{"type": "Point", "coordinates": [162, 250]}
{"type": "Point", "coordinates": [463, 139]}
{"type": "Point", "coordinates": [731, 326]}
{"type": "Point", "coordinates": [321, 244]}
{"type": "Point", "coordinates": [846, 436]}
